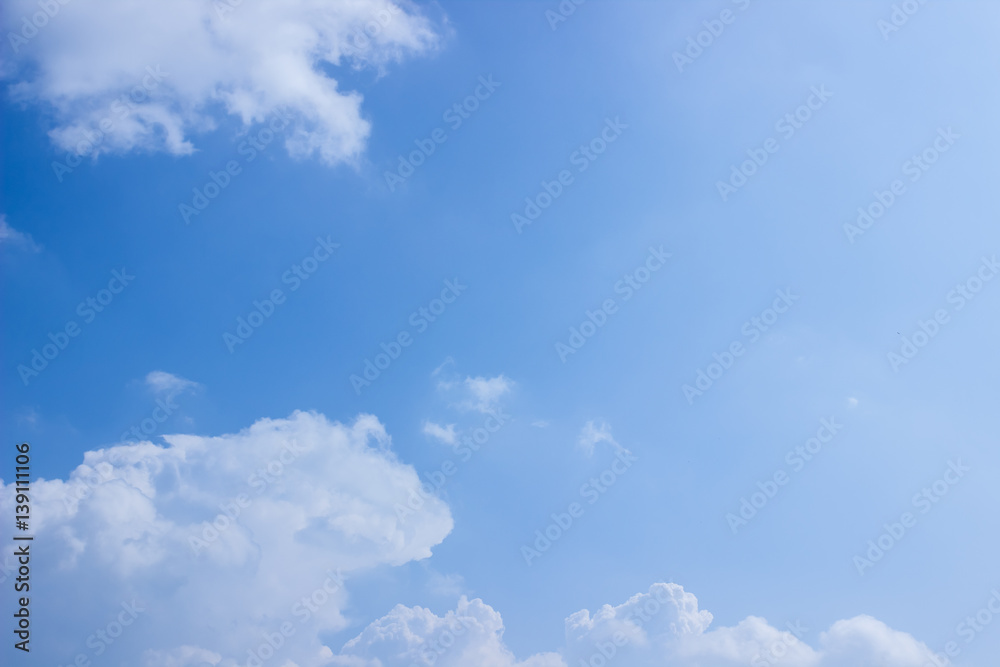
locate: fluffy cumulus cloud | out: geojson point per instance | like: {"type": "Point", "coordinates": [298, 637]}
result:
{"type": "Point", "coordinates": [206, 548]}
{"type": "Point", "coordinates": [662, 627]}
{"type": "Point", "coordinates": [129, 74]}
{"type": "Point", "coordinates": [472, 635]}
{"type": "Point", "coordinates": [239, 550]}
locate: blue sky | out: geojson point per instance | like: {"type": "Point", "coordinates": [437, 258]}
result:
{"type": "Point", "coordinates": [887, 96]}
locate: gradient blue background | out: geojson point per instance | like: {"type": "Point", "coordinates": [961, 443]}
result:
{"type": "Point", "coordinates": [655, 185]}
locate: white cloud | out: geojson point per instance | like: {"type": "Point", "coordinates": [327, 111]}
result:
{"type": "Point", "coordinates": [183, 656]}
{"type": "Point", "coordinates": [863, 639]}
{"type": "Point", "coordinates": [314, 503]}
{"type": "Point", "coordinates": [169, 385]}
{"type": "Point", "coordinates": [11, 237]}
{"type": "Point", "coordinates": [95, 61]}
{"type": "Point", "coordinates": [318, 502]}
{"type": "Point", "coordinates": [592, 434]}
{"type": "Point", "coordinates": [486, 392]}
{"type": "Point", "coordinates": [445, 434]}
{"type": "Point", "coordinates": [469, 636]}
{"type": "Point", "coordinates": [447, 362]}
{"type": "Point", "coordinates": [660, 628]}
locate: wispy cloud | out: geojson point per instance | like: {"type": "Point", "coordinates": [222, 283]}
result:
{"type": "Point", "coordinates": [167, 385]}
{"type": "Point", "coordinates": [592, 433]}
{"type": "Point", "coordinates": [445, 434]}
{"type": "Point", "coordinates": [486, 392]}
{"type": "Point", "coordinates": [12, 238]}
